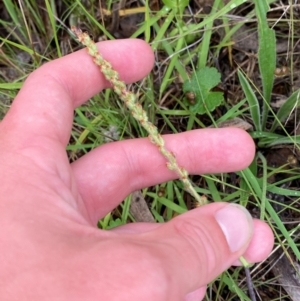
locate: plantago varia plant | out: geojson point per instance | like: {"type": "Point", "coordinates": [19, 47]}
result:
{"type": "Point", "coordinates": [140, 115]}
{"type": "Point", "coordinates": [137, 111]}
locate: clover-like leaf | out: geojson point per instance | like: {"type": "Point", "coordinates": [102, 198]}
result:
{"type": "Point", "coordinates": [199, 88]}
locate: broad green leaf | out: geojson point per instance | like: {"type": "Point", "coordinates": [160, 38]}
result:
{"type": "Point", "coordinates": [267, 60]}
{"type": "Point", "coordinates": [262, 6]}
{"type": "Point", "coordinates": [252, 100]}
{"type": "Point", "coordinates": [266, 55]}
{"type": "Point", "coordinates": [200, 85]}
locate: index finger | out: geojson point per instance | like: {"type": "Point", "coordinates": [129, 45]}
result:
{"type": "Point", "coordinates": [44, 106]}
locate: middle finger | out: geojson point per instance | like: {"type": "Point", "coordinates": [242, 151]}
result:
{"type": "Point", "coordinates": [109, 173]}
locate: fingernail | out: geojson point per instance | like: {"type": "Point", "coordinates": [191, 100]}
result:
{"type": "Point", "coordinates": [236, 224]}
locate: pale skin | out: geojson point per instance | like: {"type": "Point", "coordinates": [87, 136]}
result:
{"type": "Point", "coordinates": [50, 246]}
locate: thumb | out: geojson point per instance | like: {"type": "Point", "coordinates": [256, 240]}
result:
{"type": "Point", "coordinates": [203, 243]}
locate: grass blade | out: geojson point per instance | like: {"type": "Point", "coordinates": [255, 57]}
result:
{"type": "Point", "coordinates": [205, 46]}
{"type": "Point", "coordinates": [53, 25]}
{"type": "Point", "coordinates": [14, 14]}
{"type": "Point", "coordinates": [285, 110]}
{"type": "Point", "coordinates": [255, 185]}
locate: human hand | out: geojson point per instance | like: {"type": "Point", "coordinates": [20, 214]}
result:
{"type": "Point", "coordinates": [50, 246]}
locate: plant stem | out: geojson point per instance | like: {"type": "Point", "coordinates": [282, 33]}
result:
{"type": "Point", "coordinates": [250, 284]}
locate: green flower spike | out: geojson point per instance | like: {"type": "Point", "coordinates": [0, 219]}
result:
{"type": "Point", "coordinates": [137, 111]}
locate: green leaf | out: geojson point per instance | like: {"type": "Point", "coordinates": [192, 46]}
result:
{"type": "Point", "coordinates": [177, 4]}
{"type": "Point", "coordinates": [267, 60]}
{"type": "Point", "coordinates": [252, 100]}
{"type": "Point", "coordinates": [115, 223]}
{"type": "Point", "coordinates": [292, 103]}
{"type": "Point", "coordinates": [15, 15]}
{"type": "Point", "coordinates": [199, 86]}
{"type": "Point", "coordinates": [11, 86]}
{"type": "Point", "coordinates": [266, 55]}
